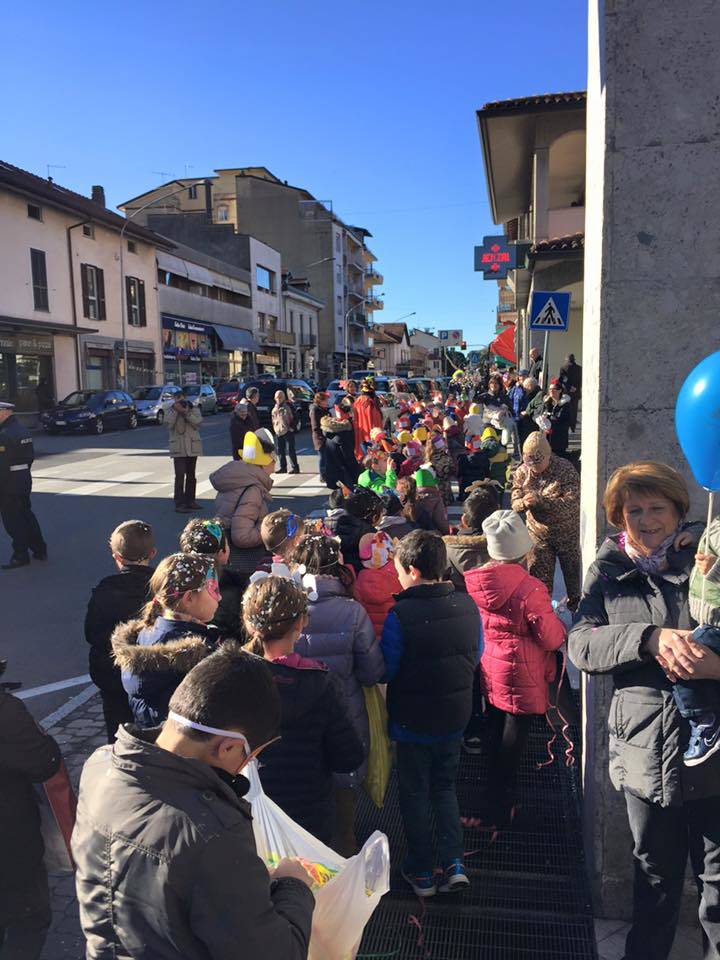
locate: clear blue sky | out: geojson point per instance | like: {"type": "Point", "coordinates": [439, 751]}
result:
{"type": "Point", "coordinates": [370, 105]}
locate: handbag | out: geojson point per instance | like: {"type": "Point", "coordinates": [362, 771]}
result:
{"type": "Point", "coordinates": [57, 804]}
{"type": "Point", "coordinates": [380, 755]}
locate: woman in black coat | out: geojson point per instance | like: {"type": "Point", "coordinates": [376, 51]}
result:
{"type": "Point", "coordinates": [340, 463]}
{"type": "Point", "coordinates": [27, 756]}
{"type": "Point", "coordinates": [633, 624]}
{"type": "Point", "coordinates": [557, 407]}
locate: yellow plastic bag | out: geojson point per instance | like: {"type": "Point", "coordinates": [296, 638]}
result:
{"type": "Point", "coordinates": [380, 757]}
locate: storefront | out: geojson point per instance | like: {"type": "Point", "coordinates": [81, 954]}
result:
{"type": "Point", "coordinates": [268, 362]}
{"type": "Point", "coordinates": [26, 369]}
{"type": "Point", "coordinates": [196, 352]}
{"type": "Point", "coordinates": [104, 360]}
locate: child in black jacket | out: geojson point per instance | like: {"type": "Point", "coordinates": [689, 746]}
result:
{"type": "Point", "coordinates": [317, 737]}
{"type": "Point", "coordinates": [115, 599]}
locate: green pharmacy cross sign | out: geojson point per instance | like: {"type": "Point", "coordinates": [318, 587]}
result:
{"type": "Point", "coordinates": [495, 257]}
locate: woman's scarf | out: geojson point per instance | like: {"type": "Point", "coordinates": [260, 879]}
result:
{"type": "Point", "coordinates": [655, 563]}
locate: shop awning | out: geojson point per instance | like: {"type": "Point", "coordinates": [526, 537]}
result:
{"type": "Point", "coordinates": [235, 338]}
{"type": "Point", "coordinates": [199, 274]}
{"type": "Point", "coordinates": [171, 264]}
{"type": "Point", "coordinates": [504, 344]}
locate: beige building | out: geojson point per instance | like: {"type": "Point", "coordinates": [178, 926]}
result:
{"type": "Point", "coordinates": [64, 305]}
{"type": "Point", "coordinates": [534, 154]}
{"type": "Point", "coordinates": [314, 243]}
{"type": "Point", "coordinates": [302, 317]}
{"type": "Point", "coordinates": [427, 356]}
{"type": "Point", "coordinates": [391, 349]}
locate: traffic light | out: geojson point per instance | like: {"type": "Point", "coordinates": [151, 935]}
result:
{"type": "Point", "coordinates": [463, 345]}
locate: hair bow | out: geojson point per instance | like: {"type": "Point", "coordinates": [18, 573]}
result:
{"type": "Point", "coordinates": [303, 580]}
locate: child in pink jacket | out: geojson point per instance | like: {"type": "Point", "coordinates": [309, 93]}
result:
{"type": "Point", "coordinates": [521, 634]}
{"type": "Point", "coordinates": [377, 583]}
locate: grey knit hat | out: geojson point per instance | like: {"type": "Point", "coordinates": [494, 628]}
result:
{"type": "Point", "coordinates": [507, 536]}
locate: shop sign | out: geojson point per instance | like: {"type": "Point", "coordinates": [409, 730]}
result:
{"type": "Point", "coordinates": [31, 343]}
{"type": "Point", "coordinates": [185, 340]}
{"type": "Point", "coordinates": [495, 257]}
{"type": "Point", "coordinates": [267, 358]}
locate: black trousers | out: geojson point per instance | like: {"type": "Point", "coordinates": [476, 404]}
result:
{"type": "Point", "coordinates": [24, 927]}
{"type": "Point", "coordinates": [663, 837]}
{"type": "Point", "coordinates": [510, 735]}
{"type": "Point", "coordinates": [287, 441]}
{"type": "Point", "coordinates": [116, 710]}
{"type": "Point", "coordinates": [21, 524]}
{"type": "Point", "coordinates": [185, 482]}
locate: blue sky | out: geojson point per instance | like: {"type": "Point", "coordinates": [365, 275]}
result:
{"type": "Point", "coordinates": [369, 105]}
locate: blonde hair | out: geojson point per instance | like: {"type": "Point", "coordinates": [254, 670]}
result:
{"type": "Point", "coordinates": [269, 608]}
{"type": "Point", "coordinates": [647, 478]}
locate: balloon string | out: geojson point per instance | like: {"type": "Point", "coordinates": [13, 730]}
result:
{"type": "Point", "coordinates": [707, 542]}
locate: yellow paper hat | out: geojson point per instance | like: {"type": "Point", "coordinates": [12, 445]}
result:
{"type": "Point", "coordinates": [404, 436]}
{"type": "Point", "coordinates": [253, 450]}
{"type": "Point", "coordinates": [474, 409]}
{"type": "Point", "coordinates": [420, 434]}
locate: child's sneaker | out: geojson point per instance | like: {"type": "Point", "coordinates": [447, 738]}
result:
{"type": "Point", "coordinates": [454, 878]}
{"type": "Point", "coordinates": [423, 884]}
{"type": "Point", "coordinates": [704, 739]}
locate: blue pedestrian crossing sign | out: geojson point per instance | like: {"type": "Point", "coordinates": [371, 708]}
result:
{"type": "Point", "coordinates": [549, 310]}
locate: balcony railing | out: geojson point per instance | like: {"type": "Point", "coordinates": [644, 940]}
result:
{"type": "Point", "coordinates": [373, 278]}
{"type": "Point", "coordinates": [375, 303]}
{"type": "Point", "coordinates": [359, 319]}
{"type": "Point", "coordinates": [308, 340]}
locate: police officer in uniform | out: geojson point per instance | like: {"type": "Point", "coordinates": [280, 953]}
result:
{"type": "Point", "coordinates": [16, 457]}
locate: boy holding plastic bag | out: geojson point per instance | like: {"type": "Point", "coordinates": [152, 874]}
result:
{"type": "Point", "coordinates": [164, 845]}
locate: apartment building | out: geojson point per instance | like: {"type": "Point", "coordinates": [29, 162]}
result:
{"type": "Point", "coordinates": [313, 241]}
{"type": "Point", "coordinates": [76, 282]}
{"type": "Point", "coordinates": [427, 354]}
{"type": "Point", "coordinates": [302, 319]}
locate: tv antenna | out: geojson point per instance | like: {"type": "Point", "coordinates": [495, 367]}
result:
{"type": "Point", "coordinates": [54, 166]}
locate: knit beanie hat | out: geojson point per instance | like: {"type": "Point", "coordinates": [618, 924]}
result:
{"type": "Point", "coordinates": [425, 476]}
{"type": "Point", "coordinates": [259, 447]}
{"type": "Point", "coordinates": [413, 449]}
{"type": "Point", "coordinates": [537, 444]}
{"type": "Point", "coordinates": [507, 536]}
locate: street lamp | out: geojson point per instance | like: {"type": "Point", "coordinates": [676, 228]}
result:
{"type": "Point", "coordinates": [345, 328]}
{"type": "Point", "coordinates": [165, 196]}
{"type": "Point", "coordinates": [405, 316]}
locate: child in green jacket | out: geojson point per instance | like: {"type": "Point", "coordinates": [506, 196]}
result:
{"type": "Point", "coordinates": [379, 473]}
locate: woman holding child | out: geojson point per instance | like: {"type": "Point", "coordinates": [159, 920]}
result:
{"type": "Point", "coordinates": [634, 623]}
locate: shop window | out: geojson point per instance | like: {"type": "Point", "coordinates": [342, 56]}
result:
{"type": "Point", "coordinates": [135, 291]}
{"type": "Point", "coordinates": [38, 267]}
{"type": "Point", "coordinates": [93, 291]}
{"type": "Point", "coordinates": [89, 230]}
{"type": "Point", "coordinates": [34, 211]}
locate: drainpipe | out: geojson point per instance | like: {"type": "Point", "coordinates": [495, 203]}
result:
{"type": "Point", "coordinates": [73, 302]}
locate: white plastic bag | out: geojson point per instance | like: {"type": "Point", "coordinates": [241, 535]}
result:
{"type": "Point", "coordinates": [346, 892]}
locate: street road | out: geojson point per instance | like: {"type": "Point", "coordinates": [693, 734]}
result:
{"type": "Point", "coordinates": [83, 487]}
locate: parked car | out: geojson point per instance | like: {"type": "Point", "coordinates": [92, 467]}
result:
{"type": "Point", "coordinates": [228, 392]}
{"type": "Point", "coordinates": [202, 395]}
{"type": "Point", "coordinates": [336, 391]}
{"type": "Point", "coordinates": [152, 403]}
{"type": "Point", "coordinates": [422, 387]}
{"type": "Point", "coordinates": [303, 397]}
{"type": "Point", "coordinates": [91, 410]}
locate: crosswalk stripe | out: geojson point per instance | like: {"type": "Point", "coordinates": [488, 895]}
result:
{"type": "Point", "coordinates": [90, 487]}
{"type": "Point", "coordinates": [55, 473]}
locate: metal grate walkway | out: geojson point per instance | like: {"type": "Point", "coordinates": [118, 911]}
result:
{"type": "Point", "coordinates": [529, 893]}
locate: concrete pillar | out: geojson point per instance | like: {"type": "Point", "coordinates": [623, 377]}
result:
{"type": "Point", "coordinates": [652, 297]}
{"type": "Point", "coordinates": [541, 193]}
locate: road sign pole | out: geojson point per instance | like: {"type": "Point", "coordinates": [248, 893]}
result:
{"type": "Point", "coordinates": [546, 360]}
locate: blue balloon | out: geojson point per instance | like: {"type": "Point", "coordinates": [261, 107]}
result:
{"type": "Point", "coordinates": [697, 421]}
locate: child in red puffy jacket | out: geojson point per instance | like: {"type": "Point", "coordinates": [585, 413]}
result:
{"type": "Point", "coordinates": [377, 582]}
{"type": "Point", "coordinates": [521, 634]}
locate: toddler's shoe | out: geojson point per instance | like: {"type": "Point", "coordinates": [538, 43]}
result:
{"type": "Point", "coordinates": [454, 878]}
{"type": "Point", "coordinates": [423, 884]}
{"type": "Point", "coordinates": [704, 739]}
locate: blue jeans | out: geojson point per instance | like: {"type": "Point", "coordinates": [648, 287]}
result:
{"type": "Point", "coordinates": [693, 698]}
{"type": "Point", "coordinates": [426, 780]}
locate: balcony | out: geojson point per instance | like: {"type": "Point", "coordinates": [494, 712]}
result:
{"type": "Point", "coordinates": [359, 319]}
{"type": "Point", "coordinates": [278, 338]}
{"type": "Point", "coordinates": [353, 259]}
{"type": "Point", "coordinates": [373, 278]}
{"type": "Point", "coordinates": [375, 303]}
{"type": "Point", "coordinates": [566, 221]}
{"type": "Point", "coordinates": [308, 340]}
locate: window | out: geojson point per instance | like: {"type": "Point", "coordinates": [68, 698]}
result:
{"type": "Point", "coordinates": [223, 213]}
{"type": "Point", "coordinates": [34, 211]}
{"type": "Point", "coordinates": [339, 304]}
{"type": "Point", "coordinates": [39, 279]}
{"type": "Point", "coordinates": [337, 242]}
{"type": "Point", "coordinates": [89, 230]}
{"type": "Point", "coordinates": [292, 321]}
{"type": "Point", "coordinates": [192, 192]}
{"type": "Point", "coordinates": [265, 279]}
{"type": "Point", "coordinates": [93, 291]}
{"type": "Point", "coordinates": [132, 246]}
{"type": "Point", "coordinates": [261, 321]}
{"type": "Point", "coordinates": [135, 291]}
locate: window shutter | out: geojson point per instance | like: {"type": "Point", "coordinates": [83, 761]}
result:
{"type": "Point", "coordinates": [128, 300]}
{"type": "Point", "coordinates": [39, 279]}
{"type": "Point", "coordinates": [84, 283]}
{"type": "Point", "coordinates": [141, 302]}
{"type": "Point", "coordinates": [100, 280]}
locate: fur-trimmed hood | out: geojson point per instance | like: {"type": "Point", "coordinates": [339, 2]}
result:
{"type": "Point", "coordinates": [467, 540]}
{"type": "Point", "coordinates": [333, 425]}
{"type": "Point", "coordinates": [179, 654]}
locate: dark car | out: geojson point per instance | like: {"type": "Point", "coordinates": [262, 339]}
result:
{"type": "Point", "coordinates": [91, 410]}
{"type": "Point", "coordinates": [302, 398]}
{"type": "Point", "coordinates": [228, 393]}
